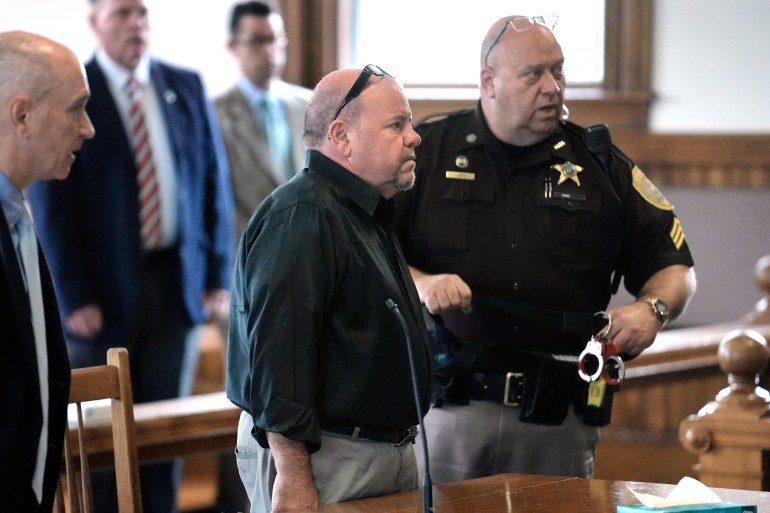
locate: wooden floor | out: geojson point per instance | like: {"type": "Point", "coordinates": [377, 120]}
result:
{"type": "Point", "coordinates": [199, 485]}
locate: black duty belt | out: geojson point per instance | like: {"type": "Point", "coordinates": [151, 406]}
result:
{"type": "Point", "coordinates": [507, 389]}
{"type": "Point", "coordinates": [375, 435]}
{"type": "Point", "coordinates": [580, 324]}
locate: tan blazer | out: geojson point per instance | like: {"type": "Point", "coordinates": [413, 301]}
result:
{"type": "Point", "coordinates": [251, 171]}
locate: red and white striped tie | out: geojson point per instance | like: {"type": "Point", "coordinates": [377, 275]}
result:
{"type": "Point", "coordinates": [149, 191]}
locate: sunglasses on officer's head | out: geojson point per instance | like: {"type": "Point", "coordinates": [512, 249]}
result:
{"type": "Point", "coordinates": [358, 85]}
{"type": "Point", "coordinates": [522, 24]}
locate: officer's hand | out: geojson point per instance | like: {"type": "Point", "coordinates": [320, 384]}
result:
{"type": "Point", "coordinates": [634, 327]}
{"type": "Point", "coordinates": [440, 292]}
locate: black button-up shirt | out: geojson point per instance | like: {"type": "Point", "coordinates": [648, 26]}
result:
{"type": "Point", "coordinates": [311, 341]}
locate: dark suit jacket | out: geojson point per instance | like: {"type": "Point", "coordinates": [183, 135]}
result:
{"type": "Point", "coordinates": [89, 223]}
{"type": "Point", "coordinates": [22, 416]}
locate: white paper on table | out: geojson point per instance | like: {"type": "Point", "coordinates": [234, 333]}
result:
{"type": "Point", "coordinates": [687, 491]}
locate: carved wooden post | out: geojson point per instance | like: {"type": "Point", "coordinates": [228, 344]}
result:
{"type": "Point", "coordinates": [731, 435]}
{"type": "Point", "coordinates": [761, 312]}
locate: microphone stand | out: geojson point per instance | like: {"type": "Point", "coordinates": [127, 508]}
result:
{"type": "Point", "coordinates": [427, 485]}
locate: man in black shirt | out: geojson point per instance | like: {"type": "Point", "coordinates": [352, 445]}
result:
{"type": "Point", "coordinates": [317, 362]}
{"type": "Point", "coordinates": [513, 234]}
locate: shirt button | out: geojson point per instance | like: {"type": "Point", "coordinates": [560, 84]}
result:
{"type": "Point", "coordinates": [514, 245]}
{"type": "Point", "coordinates": [515, 285]}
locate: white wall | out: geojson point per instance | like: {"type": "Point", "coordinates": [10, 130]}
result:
{"type": "Point", "coordinates": [710, 68]}
{"type": "Point", "coordinates": [184, 32]}
{"type": "Point", "coordinates": [727, 231]}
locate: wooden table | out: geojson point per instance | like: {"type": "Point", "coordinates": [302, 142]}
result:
{"type": "Point", "coordinates": [520, 493]}
{"type": "Point", "coordinates": [194, 425]}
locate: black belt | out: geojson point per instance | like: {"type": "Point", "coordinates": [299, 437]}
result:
{"type": "Point", "coordinates": [507, 389]}
{"type": "Point", "coordinates": [375, 435]}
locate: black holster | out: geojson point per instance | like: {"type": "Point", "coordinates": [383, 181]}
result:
{"type": "Point", "coordinates": [548, 393]}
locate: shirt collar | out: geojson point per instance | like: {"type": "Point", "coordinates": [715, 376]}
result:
{"type": "Point", "coordinates": [117, 75]}
{"type": "Point", "coordinates": [12, 201]}
{"type": "Point", "coordinates": [254, 95]}
{"type": "Point", "coordinates": [362, 194]}
{"type": "Point", "coordinates": [477, 132]}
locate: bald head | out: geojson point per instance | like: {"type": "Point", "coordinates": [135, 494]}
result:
{"type": "Point", "coordinates": [327, 97]}
{"type": "Point", "coordinates": [507, 32]}
{"type": "Point", "coordinates": [43, 95]}
{"type": "Point", "coordinates": [27, 64]}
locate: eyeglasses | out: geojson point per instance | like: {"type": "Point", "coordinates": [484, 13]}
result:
{"type": "Point", "coordinates": [358, 85]}
{"type": "Point", "coordinates": [522, 24]}
{"type": "Point", "coordinates": [261, 41]}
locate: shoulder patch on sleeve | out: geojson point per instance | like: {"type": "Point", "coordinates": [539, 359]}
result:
{"type": "Point", "coordinates": [676, 233]}
{"type": "Point", "coordinates": [648, 191]}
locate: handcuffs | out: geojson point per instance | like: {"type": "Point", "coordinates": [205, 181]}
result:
{"type": "Point", "coordinates": [601, 357]}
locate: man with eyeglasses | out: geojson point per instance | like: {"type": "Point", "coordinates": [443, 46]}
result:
{"type": "Point", "coordinates": [316, 360]}
{"type": "Point", "coordinates": [518, 223]}
{"type": "Point", "coordinates": [262, 116]}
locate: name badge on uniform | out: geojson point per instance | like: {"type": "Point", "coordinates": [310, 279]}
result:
{"type": "Point", "coordinates": [460, 175]}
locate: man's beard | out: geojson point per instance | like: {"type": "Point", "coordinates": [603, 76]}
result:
{"type": "Point", "coordinates": [405, 185]}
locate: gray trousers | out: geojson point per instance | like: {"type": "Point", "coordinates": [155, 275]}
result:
{"type": "Point", "coordinates": [342, 469]}
{"type": "Point", "coordinates": [486, 438]}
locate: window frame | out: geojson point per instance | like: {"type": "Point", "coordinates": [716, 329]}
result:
{"type": "Point", "coordinates": [319, 32]}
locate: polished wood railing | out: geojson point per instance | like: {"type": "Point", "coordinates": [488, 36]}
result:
{"type": "Point", "coordinates": [672, 379]}
{"type": "Point", "coordinates": [731, 434]}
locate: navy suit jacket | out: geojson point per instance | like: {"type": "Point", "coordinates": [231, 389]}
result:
{"type": "Point", "coordinates": [22, 417]}
{"type": "Point", "coordinates": [89, 223]}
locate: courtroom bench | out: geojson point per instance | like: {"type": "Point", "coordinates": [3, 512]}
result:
{"type": "Point", "coordinates": [196, 425]}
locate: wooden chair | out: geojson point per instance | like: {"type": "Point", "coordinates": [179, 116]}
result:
{"type": "Point", "coordinates": [111, 381]}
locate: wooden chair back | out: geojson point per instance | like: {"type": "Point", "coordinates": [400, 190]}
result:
{"type": "Point", "coordinates": [111, 381]}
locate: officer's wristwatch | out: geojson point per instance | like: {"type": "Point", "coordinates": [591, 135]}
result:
{"type": "Point", "coordinates": [659, 308]}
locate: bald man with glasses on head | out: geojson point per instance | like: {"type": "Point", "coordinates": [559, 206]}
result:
{"type": "Point", "coordinates": [517, 233]}
{"type": "Point", "coordinates": [315, 359]}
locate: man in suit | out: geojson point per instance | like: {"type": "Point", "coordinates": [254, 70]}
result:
{"type": "Point", "coordinates": [141, 272]}
{"type": "Point", "coordinates": [264, 147]}
{"type": "Point", "coordinates": [43, 93]}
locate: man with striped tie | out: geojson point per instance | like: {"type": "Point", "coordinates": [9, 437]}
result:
{"type": "Point", "coordinates": [140, 235]}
